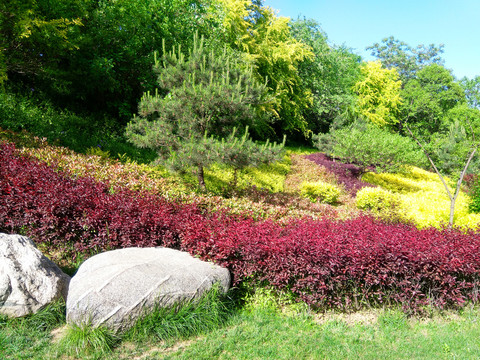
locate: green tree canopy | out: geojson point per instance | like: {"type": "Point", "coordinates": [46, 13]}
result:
{"type": "Point", "coordinates": [113, 66]}
{"type": "Point", "coordinates": [472, 91]}
{"type": "Point", "coordinates": [95, 55]}
{"type": "Point", "coordinates": [406, 59]}
{"type": "Point", "coordinates": [35, 34]}
{"type": "Point", "coordinates": [329, 76]}
{"type": "Point", "coordinates": [428, 97]}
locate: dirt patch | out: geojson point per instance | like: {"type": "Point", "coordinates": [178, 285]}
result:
{"type": "Point", "coordinates": [367, 317]}
{"type": "Point", "coordinates": [58, 333]}
{"type": "Point", "coordinates": [165, 350]}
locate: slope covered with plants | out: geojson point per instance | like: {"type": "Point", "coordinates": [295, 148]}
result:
{"type": "Point", "coordinates": [339, 263]}
{"type": "Point", "coordinates": [163, 123]}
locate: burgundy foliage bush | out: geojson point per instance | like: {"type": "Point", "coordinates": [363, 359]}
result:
{"type": "Point", "coordinates": [77, 214]}
{"type": "Point", "coordinates": [346, 264]}
{"type": "Point", "coordinates": [327, 264]}
{"type": "Point", "coordinates": [347, 174]}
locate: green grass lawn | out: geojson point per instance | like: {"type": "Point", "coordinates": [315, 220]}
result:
{"type": "Point", "coordinates": [261, 333]}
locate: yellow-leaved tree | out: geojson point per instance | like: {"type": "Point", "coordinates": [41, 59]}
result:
{"type": "Point", "coordinates": [378, 93]}
{"type": "Point", "coordinates": [266, 40]}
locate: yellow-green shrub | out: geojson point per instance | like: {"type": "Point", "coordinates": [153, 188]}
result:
{"type": "Point", "coordinates": [423, 199]}
{"type": "Point", "coordinates": [267, 176]}
{"type": "Point", "coordinates": [392, 182]}
{"type": "Point", "coordinates": [382, 203]}
{"type": "Point", "coordinates": [376, 199]}
{"type": "Point", "coordinates": [320, 191]}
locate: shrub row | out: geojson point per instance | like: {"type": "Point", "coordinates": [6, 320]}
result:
{"type": "Point", "coordinates": [350, 264]}
{"type": "Point", "coordinates": [325, 263]}
{"type": "Point", "coordinates": [347, 174]}
{"type": "Point", "coordinates": [258, 203]}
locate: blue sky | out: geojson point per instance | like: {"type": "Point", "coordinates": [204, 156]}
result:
{"type": "Point", "coordinates": [361, 23]}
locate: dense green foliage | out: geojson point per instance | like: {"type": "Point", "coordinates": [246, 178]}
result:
{"type": "Point", "coordinates": [472, 91]}
{"type": "Point", "coordinates": [406, 59]}
{"type": "Point", "coordinates": [428, 97]}
{"type": "Point", "coordinates": [368, 145]}
{"type": "Point", "coordinates": [79, 132]}
{"type": "Point", "coordinates": [330, 76]}
{"type": "Point", "coordinates": [35, 34]}
{"type": "Point", "coordinates": [113, 65]}
{"type": "Point", "coordinates": [95, 55]}
{"type": "Point", "coordinates": [450, 148]}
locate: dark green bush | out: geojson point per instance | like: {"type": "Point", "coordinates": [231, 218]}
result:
{"type": "Point", "coordinates": [367, 145]}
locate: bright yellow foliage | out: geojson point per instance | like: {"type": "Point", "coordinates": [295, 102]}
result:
{"type": "Point", "coordinates": [375, 199]}
{"type": "Point", "coordinates": [270, 177]}
{"type": "Point", "coordinates": [320, 191]}
{"type": "Point", "coordinates": [378, 93]}
{"type": "Point", "coordinates": [269, 40]}
{"type": "Point", "coordinates": [423, 199]}
{"type": "Point", "coordinates": [275, 54]}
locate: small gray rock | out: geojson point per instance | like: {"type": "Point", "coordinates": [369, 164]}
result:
{"type": "Point", "coordinates": [117, 287]}
{"type": "Point", "coordinates": [28, 280]}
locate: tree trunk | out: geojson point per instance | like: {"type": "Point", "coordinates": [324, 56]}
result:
{"type": "Point", "coordinates": [452, 212]}
{"type": "Point", "coordinates": [201, 178]}
{"type": "Point", "coordinates": [459, 184]}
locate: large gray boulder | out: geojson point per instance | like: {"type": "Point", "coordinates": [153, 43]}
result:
{"type": "Point", "coordinates": [28, 280]}
{"type": "Point", "coordinates": [117, 287]}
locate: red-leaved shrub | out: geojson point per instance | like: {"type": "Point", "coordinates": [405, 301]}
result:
{"type": "Point", "coordinates": [58, 210]}
{"type": "Point", "coordinates": [327, 264]}
{"type": "Point", "coordinates": [346, 264]}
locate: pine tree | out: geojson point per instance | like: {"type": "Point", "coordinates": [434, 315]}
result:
{"type": "Point", "coordinates": [208, 97]}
